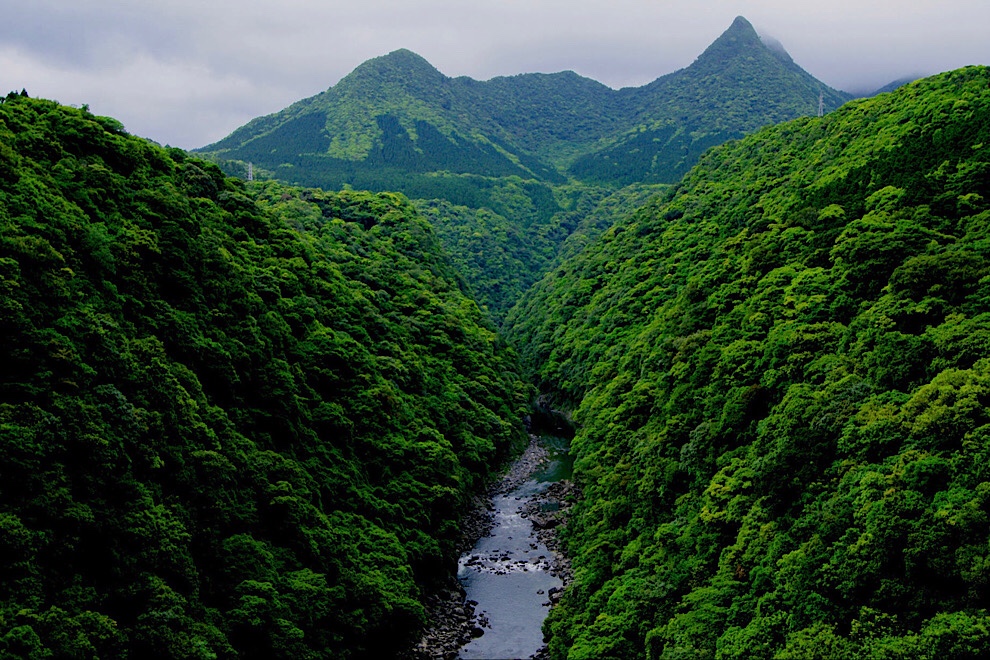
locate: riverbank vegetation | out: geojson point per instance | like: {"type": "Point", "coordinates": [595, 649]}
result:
{"type": "Point", "coordinates": [235, 421]}
{"type": "Point", "coordinates": [780, 371]}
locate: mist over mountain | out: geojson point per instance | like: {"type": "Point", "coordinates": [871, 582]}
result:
{"type": "Point", "coordinates": [892, 85]}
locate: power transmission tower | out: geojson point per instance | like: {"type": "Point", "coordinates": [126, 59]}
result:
{"type": "Point", "coordinates": [821, 103]}
{"type": "Point", "coordinates": [251, 170]}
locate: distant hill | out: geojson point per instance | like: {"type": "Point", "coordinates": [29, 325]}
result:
{"type": "Point", "coordinates": [397, 123]}
{"type": "Point", "coordinates": [894, 84]}
{"type": "Point", "coordinates": [394, 123]}
{"type": "Point", "coordinates": [737, 85]}
{"type": "Point", "coordinates": [507, 168]}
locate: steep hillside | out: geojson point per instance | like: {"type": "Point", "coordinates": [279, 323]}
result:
{"type": "Point", "coordinates": [736, 86]}
{"type": "Point", "coordinates": [385, 126]}
{"type": "Point", "coordinates": [782, 373]}
{"type": "Point", "coordinates": [503, 250]}
{"type": "Point", "coordinates": [500, 150]}
{"type": "Point", "coordinates": [234, 421]}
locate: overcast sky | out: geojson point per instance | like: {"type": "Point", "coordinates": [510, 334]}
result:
{"type": "Point", "coordinates": [188, 72]}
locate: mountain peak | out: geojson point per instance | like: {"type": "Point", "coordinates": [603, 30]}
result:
{"type": "Point", "coordinates": [738, 42]}
{"type": "Point", "coordinates": [407, 57]}
{"type": "Point", "coordinates": [741, 34]}
{"type": "Point", "coordinates": [741, 25]}
{"type": "Point", "coordinates": [398, 66]}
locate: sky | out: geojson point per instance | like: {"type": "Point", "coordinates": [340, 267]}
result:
{"type": "Point", "coordinates": [188, 72]}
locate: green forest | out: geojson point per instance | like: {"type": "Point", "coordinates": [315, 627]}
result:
{"type": "Point", "coordinates": [396, 121]}
{"type": "Point", "coordinates": [780, 372]}
{"type": "Point", "coordinates": [507, 169]}
{"type": "Point", "coordinates": [245, 419]}
{"type": "Point", "coordinates": [234, 422]}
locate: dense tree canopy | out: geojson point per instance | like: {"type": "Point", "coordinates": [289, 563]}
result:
{"type": "Point", "coordinates": [242, 420]}
{"type": "Point", "coordinates": [782, 374]}
{"type": "Point", "coordinates": [507, 168]}
{"type": "Point", "coordinates": [234, 421]}
{"type": "Point", "coordinates": [502, 250]}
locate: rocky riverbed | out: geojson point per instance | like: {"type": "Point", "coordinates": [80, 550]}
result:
{"type": "Point", "coordinates": [548, 511]}
{"type": "Point", "coordinates": [455, 621]}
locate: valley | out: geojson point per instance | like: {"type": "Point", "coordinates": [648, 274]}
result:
{"type": "Point", "coordinates": [246, 419]}
{"type": "Point", "coordinates": [508, 170]}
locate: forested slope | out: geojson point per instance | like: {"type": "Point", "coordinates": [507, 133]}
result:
{"type": "Point", "coordinates": [234, 421]}
{"type": "Point", "coordinates": [503, 250]}
{"type": "Point", "coordinates": [397, 123]}
{"type": "Point", "coordinates": [782, 377]}
{"type": "Point", "coordinates": [739, 84]}
{"type": "Point", "coordinates": [506, 168]}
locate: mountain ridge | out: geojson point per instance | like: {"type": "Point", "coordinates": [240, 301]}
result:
{"type": "Point", "coordinates": [507, 168]}
{"type": "Point", "coordinates": [542, 123]}
{"type": "Point", "coordinates": [729, 90]}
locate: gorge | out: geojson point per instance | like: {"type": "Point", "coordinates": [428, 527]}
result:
{"type": "Point", "coordinates": [245, 419]}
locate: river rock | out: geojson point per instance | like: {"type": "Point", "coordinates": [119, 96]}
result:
{"type": "Point", "coordinates": [454, 620]}
{"type": "Point", "coordinates": [543, 521]}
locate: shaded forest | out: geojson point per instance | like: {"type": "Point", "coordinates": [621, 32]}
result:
{"type": "Point", "coordinates": [233, 422]}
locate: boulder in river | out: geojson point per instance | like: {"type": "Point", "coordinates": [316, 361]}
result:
{"type": "Point", "coordinates": [543, 521]}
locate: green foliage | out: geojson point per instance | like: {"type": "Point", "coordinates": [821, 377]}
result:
{"type": "Point", "coordinates": [243, 420]}
{"type": "Point", "coordinates": [502, 252]}
{"type": "Point", "coordinates": [736, 86]}
{"type": "Point", "coordinates": [235, 421]}
{"type": "Point", "coordinates": [781, 374]}
{"type": "Point", "coordinates": [394, 113]}
{"type": "Point", "coordinates": [509, 168]}
{"type": "Point", "coordinates": [399, 113]}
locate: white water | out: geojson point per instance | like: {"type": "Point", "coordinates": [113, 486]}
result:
{"type": "Point", "coordinates": [508, 574]}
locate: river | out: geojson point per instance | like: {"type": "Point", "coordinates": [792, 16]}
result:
{"type": "Point", "coordinates": [510, 574]}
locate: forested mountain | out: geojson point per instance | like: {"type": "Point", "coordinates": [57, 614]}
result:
{"type": "Point", "coordinates": [243, 419]}
{"type": "Point", "coordinates": [781, 371]}
{"type": "Point", "coordinates": [397, 122]}
{"type": "Point", "coordinates": [501, 166]}
{"type": "Point", "coordinates": [394, 123]}
{"type": "Point", "coordinates": [235, 421]}
{"type": "Point", "coordinates": [736, 86]}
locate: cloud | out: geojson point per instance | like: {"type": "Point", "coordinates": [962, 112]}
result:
{"type": "Point", "coordinates": [180, 100]}
{"type": "Point", "coordinates": [188, 72]}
